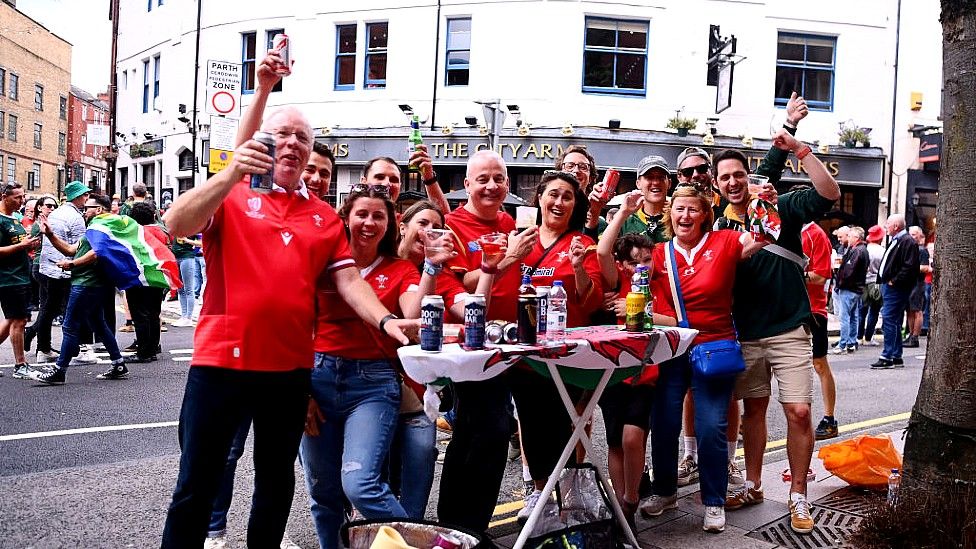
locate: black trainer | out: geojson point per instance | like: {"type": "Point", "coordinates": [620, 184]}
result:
{"type": "Point", "coordinates": [131, 348]}
{"type": "Point", "coordinates": [142, 359]}
{"type": "Point", "coordinates": [51, 377]}
{"type": "Point", "coordinates": [116, 371]}
{"type": "Point", "coordinates": [883, 364]}
{"type": "Point", "coordinates": [897, 363]}
{"type": "Point", "coordinates": [826, 429]}
{"type": "Point", "coordinates": [22, 371]}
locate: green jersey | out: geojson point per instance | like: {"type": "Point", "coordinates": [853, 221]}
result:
{"type": "Point", "coordinates": [14, 267]}
{"type": "Point", "coordinates": [90, 274]}
{"type": "Point", "coordinates": [650, 225]}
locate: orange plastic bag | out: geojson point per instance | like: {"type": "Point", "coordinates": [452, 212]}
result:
{"type": "Point", "coordinates": [866, 460]}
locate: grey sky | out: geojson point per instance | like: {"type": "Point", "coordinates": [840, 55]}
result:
{"type": "Point", "coordinates": [85, 24]}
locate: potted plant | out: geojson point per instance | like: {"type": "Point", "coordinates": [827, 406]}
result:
{"type": "Point", "coordinates": [682, 124]}
{"type": "Point", "coordinates": [850, 135]}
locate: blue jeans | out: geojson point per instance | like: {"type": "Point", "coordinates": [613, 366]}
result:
{"type": "Point", "coordinates": [868, 319]}
{"type": "Point", "coordinates": [894, 302]}
{"type": "Point", "coordinates": [412, 460]}
{"type": "Point", "coordinates": [928, 305]}
{"type": "Point", "coordinates": [847, 305]}
{"type": "Point", "coordinates": [711, 420]}
{"type": "Point", "coordinates": [201, 279]}
{"type": "Point", "coordinates": [86, 308]}
{"type": "Point", "coordinates": [215, 404]}
{"type": "Point", "coordinates": [189, 271]}
{"type": "Point", "coordinates": [221, 504]}
{"type": "Point", "coordinates": [360, 400]}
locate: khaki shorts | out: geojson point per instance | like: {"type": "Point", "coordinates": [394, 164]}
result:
{"type": "Point", "coordinates": [788, 356]}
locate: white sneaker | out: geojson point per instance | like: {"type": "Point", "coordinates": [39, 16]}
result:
{"type": "Point", "coordinates": [183, 323]}
{"type": "Point", "coordinates": [530, 503]}
{"type": "Point", "coordinates": [86, 357]}
{"type": "Point", "coordinates": [655, 505]}
{"type": "Point", "coordinates": [216, 543]}
{"type": "Point", "coordinates": [735, 475]}
{"type": "Point", "coordinates": [714, 519]}
{"type": "Point", "coordinates": [287, 543]}
{"type": "Point", "coordinates": [43, 358]}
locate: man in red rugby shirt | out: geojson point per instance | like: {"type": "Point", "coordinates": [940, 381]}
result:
{"type": "Point", "coordinates": [475, 460]}
{"type": "Point", "coordinates": [253, 352]}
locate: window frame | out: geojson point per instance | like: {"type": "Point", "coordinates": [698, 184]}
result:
{"type": "Point", "coordinates": [248, 76]}
{"type": "Point", "coordinates": [38, 135]}
{"type": "Point", "coordinates": [804, 66]}
{"type": "Point", "coordinates": [448, 50]}
{"type": "Point", "coordinates": [269, 35]}
{"type": "Point", "coordinates": [63, 107]}
{"type": "Point", "coordinates": [12, 120]}
{"type": "Point", "coordinates": [145, 86]}
{"type": "Point", "coordinates": [11, 168]}
{"type": "Point", "coordinates": [34, 183]}
{"type": "Point", "coordinates": [3, 125]}
{"type": "Point", "coordinates": [3, 82]}
{"type": "Point", "coordinates": [376, 83]}
{"type": "Point", "coordinates": [156, 62]}
{"type": "Point", "coordinates": [13, 87]}
{"type": "Point", "coordinates": [38, 97]}
{"type": "Point", "coordinates": [355, 49]}
{"type": "Point", "coordinates": [616, 50]}
{"type": "Point", "coordinates": [62, 144]}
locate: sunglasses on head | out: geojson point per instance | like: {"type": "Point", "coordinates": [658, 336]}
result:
{"type": "Point", "coordinates": [49, 205]}
{"type": "Point", "coordinates": [365, 188]}
{"type": "Point", "coordinates": [553, 174]}
{"type": "Point", "coordinates": [700, 169]}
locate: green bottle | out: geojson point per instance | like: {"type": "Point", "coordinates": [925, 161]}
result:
{"type": "Point", "coordinates": [414, 141]}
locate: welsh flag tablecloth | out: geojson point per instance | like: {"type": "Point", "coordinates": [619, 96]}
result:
{"type": "Point", "coordinates": [588, 352]}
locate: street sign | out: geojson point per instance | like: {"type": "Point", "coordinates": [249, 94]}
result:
{"type": "Point", "coordinates": [97, 135]}
{"type": "Point", "coordinates": [224, 88]}
{"type": "Point", "coordinates": [219, 160]}
{"type": "Point", "coordinates": [222, 133]}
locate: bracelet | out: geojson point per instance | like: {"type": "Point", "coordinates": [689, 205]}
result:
{"type": "Point", "coordinates": [489, 270]}
{"type": "Point", "coordinates": [432, 268]}
{"type": "Point", "coordinates": [802, 153]}
{"type": "Point", "coordinates": [432, 180]}
{"type": "Point", "coordinates": [384, 320]}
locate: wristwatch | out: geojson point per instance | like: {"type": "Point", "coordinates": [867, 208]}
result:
{"type": "Point", "coordinates": [384, 320]}
{"type": "Point", "coordinates": [432, 269]}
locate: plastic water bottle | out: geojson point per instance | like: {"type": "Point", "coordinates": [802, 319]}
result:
{"type": "Point", "coordinates": [556, 315]}
{"type": "Point", "coordinates": [894, 481]}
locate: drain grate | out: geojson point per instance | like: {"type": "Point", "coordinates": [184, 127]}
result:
{"type": "Point", "coordinates": [831, 530]}
{"type": "Point", "coordinates": [851, 500]}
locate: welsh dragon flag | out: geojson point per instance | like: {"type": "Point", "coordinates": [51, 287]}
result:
{"type": "Point", "coordinates": [131, 255]}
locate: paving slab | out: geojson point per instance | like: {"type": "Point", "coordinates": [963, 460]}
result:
{"type": "Point", "coordinates": [686, 533]}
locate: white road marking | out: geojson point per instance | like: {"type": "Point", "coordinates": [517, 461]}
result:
{"type": "Point", "coordinates": [181, 351]}
{"type": "Point", "coordinates": [85, 430]}
{"type": "Point", "coordinates": [182, 358]}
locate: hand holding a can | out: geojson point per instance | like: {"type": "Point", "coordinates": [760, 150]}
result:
{"type": "Point", "coordinates": [267, 75]}
{"type": "Point", "coordinates": [597, 199]}
{"type": "Point", "coordinates": [251, 157]}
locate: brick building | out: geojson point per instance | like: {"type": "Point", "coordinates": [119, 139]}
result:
{"type": "Point", "coordinates": [87, 115]}
{"type": "Point", "coordinates": [35, 79]}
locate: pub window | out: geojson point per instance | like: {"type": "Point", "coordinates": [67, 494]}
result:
{"type": "Point", "coordinates": [458, 58]}
{"type": "Point", "coordinates": [805, 64]}
{"type": "Point", "coordinates": [248, 45]}
{"type": "Point", "coordinates": [269, 35]}
{"type": "Point", "coordinates": [615, 57]}
{"type": "Point", "coordinates": [345, 61]}
{"type": "Point", "coordinates": [376, 39]}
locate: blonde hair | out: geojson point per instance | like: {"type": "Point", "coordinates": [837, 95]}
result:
{"type": "Point", "coordinates": [688, 191]}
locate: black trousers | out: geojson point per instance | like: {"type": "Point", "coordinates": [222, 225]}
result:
{"type": "Point", "coordinates": [53, 298]}
{"type": "Point", "coordinates": [145, 303]}
{"type": "Point", "coordinates": [476, 456]}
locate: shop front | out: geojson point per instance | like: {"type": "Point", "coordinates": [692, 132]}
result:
{"type": "Point", "coordinates": [859, 171]}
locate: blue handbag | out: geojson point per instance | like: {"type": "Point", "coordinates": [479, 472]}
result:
{"type": "Point", "coordinates": [714, 359]}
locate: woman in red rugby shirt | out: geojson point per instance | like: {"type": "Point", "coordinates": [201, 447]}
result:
{"type": "Point", "coordinates": [414, 454]}
{"type": "Point", "coordinates": [355, 382]}
{"type": "Point", "coordinates": [563, 253]}
{"type": "Point", "coordinates": [705, 261]}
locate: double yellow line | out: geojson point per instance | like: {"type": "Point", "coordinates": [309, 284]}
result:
{"type": "Point", "coordinates": [513, 506]}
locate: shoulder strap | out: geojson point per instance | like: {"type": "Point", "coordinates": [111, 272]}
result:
{"type": "Point", "coordinates": [546, 253]}
{"type": "Point", "coordinates": [776, 249]}
{"type": "Point", "coordinates": [679, 301]}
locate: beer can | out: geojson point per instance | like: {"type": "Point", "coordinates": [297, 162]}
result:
{"type": "Point", "coordinates": [446, 541]}
{"type": "Point", "coordinates": [474, 321]}
{"type": "Point", "coordinates": [263, 182]}
{"type": "Point", "coordinates": [495, 332]}
{"type": "Point", "coordinates": [280, 43]}
{"type": "Point", "coordinates": [635, 312]}
{"type": "Point", "coordinates": [510, 330]}
{"type": "Point", "coordinates": [610, 180]}
{"type": "Point", "coordinates": [432, 323]}
{"type": "Point", "coordinates": [542, 292]}
{"type": "Point", "coordinates": [528, 317]}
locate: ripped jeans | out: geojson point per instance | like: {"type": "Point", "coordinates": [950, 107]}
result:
{"type": "Point", "coordinates": [360, 400]}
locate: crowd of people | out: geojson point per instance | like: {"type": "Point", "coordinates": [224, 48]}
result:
{"type": "Point", "coordinates": [302, 348]}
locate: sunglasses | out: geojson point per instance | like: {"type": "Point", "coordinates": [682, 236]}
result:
{"type": "Point", "coordinates": [364, 188]}
{"type": "Point", "coordinates": [49, 205]}
{"type": "Point", "coordinates": [554, 174]}
{"type": "Point", "coordinates": [700, 169]}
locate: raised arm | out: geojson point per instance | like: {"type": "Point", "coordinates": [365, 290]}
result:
{"type": "Point", "coordinates": [267, 78]}
{"type": "Point", "coordinates": [823, 182]}
{"type": "Point", "coordinates": [604, 248]}
{"type": "Point", "coordinates": [774, 162]}
{"type": "Point", "coordinates": [421, 159]}
{"type": "Point", "coordinates": [59, 245]}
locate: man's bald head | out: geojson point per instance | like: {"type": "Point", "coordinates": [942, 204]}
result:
{"type": "Point", "coordinates": [895, 224]}
{"type": "Point", "coordinates": [288, 113]}
{"type": "Point", "coordinates": [483, 156]}
{"type": "Point", "coordinates": [486, 183]}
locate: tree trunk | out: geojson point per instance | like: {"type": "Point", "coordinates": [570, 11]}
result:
{"type": "Point", "coordinates": [940, 451]}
